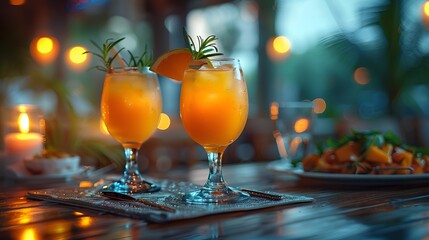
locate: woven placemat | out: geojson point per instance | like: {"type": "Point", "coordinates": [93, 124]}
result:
{"type": "Point", "coordinates": [171, 195]}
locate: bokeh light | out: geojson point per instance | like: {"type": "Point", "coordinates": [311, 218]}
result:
{"type": "Point", "coordinates": [281, 44]}
{"type": "Point", "coordinates": [164, 122]}
{"type": "Point", "coordinates": [85, 184]}
{"type": "Point", "coordinates": [76, 213]}
{"type": "Point", "coordinates": [17, 2]}
{"type": "Point", "coordinates": [301, 125]}
{"type": "Point", "coordinates": [425, 14]}
{"type": "Point", "coordinates": [361, 76]}
{"type": "Point", "coordinates": [76, 59]}
{"type": "Point", "coordinates": [319, 105]}
{"type": "Point", "coordinates": [45, 45]}
{"type": "Point", "coordinates": [426, 8]}
{"type": "Point", "coordinates": [44, 49]}
{"type": "Point", "coordinates": [60, 228]}
{"type": "Point", "coordinates": [274, 110]}
{"type": "Point", "coordinates": [76, 54]}
{"type": "Point", "coordinates": [278, 48]}
{"type": "Point", "coordinates": [85, 221]}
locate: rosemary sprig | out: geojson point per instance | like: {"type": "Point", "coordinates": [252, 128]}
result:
{"type": "Point", "coordinates": [206, 47]}
{"type": "Point", "coordinates": [144, 60]}
{"type": "Point", "coordinates": [104, 53]}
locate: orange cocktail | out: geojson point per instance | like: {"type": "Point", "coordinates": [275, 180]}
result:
{"type": "Point", "coordinates": [213, 106]}
{"type": "Point", "coordinates": [131, 107]}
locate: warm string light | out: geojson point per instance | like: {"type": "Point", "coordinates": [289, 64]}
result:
{"type": "Point", "coordinates": [45, 45]}
{"type": "Point", "coordinates": [278, 48]}
{"type": "Point", "coordinates": [44, 49]}
{"type": "Point", "coordinates": [425, 14]}
{"type": "Point", "coordinates": [76, 59]}
{"type": "Point", "coordinates": [77, 56]}
{"type": "Point", "coordinates": [281, 44]}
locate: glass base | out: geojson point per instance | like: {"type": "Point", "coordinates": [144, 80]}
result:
{"type": "Point", "coordinates": [133, 187]}
{"type": "Point", "coordinates": [219, 196]}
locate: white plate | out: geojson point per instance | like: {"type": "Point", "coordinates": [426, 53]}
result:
{"type": "Point", "coordinates": [280, 166]}
{"type": "Point", "coordinates": [353, 179]}
{"type": "Point", "coordinates": [19, 173]}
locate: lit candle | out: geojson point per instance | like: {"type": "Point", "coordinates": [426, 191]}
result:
{"type": "Point", "coordinates": [24, 144]}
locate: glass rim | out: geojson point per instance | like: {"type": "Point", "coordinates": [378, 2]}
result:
{"type": "Point", "coordinates": [126, 69]}
{"type": "Point", "coordinates": [217, 59]}
{"type": "Point", "coordinates": [214, 63]}
{"type": "Point", "coordinates": [294, 104]}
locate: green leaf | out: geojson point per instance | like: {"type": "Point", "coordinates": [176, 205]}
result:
{"type": "Point", "coordinates": [392, 138]}
{"type": "Point", "coordinates": [104, 51]}
{"type": "Point", "coordinates": [206, 47]}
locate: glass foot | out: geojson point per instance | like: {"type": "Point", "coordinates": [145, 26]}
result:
{"type": "Point", "coordinates": [133, 187]}
{"type": "Point", "coordinates": [207, 195]}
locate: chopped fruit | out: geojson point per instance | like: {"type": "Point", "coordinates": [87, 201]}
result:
{"type": "Point", "coordinates": [377, 155]}
{"type": "Point", "coordinates": [310, 162]}
{"type": "Point", "coordinates": [348, 152]}
{"type": "Point", "coordinates": [172, 64]}
{"type": "Point", "coordinates": [368, 152]}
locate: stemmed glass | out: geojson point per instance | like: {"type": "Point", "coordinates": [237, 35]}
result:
{"type": "Point", "coordinates": [293, 134]}
{"type": "Point", "coordinates": [214, 108]}
{"type": "Point", "coordinates": [131, 107]}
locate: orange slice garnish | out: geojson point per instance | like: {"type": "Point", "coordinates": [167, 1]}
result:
{"type": "Point", "coordinates": [172, 64]}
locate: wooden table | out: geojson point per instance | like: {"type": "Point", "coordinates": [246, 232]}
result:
{"type": "Point", "coordinates": [338, 212]}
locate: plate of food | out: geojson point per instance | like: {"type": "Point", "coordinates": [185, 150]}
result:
{"type": "Point", "coordinates": [47, 166]}
{"type": "Point", "coordinates": [17, 172]}
{"type": "Point", "coordinates": [365, 158]}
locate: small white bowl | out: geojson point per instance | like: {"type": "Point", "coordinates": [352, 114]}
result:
{"type": "Point", "coordinates": [52, 165]}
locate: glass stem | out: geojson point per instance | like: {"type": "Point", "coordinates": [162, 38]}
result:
{"type": "Point", "coordinates": [131, 171]}
{"type": "Point", "coordinates": [215, 178]}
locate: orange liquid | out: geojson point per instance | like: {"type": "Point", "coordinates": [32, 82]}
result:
{"type": "Point", "coordinates": [214, 107]}
{"type": "Point", "coordinates": [131, 106]}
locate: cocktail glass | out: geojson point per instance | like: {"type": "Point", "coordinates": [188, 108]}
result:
{"type": "Point", "coordinates": [293, 131]}
{"type": "Point", "coordinates": [214, 108]}
{"type": "Point", "coordinates": [131, 106]}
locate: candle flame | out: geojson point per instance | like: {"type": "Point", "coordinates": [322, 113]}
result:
{"type": "Point", "coordinates": [24, 123]}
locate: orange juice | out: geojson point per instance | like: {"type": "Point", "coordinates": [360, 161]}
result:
{"type": "Point", "coordinates": [213, 106]}
{"type": "Point", "coordinates": [131, 106]}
